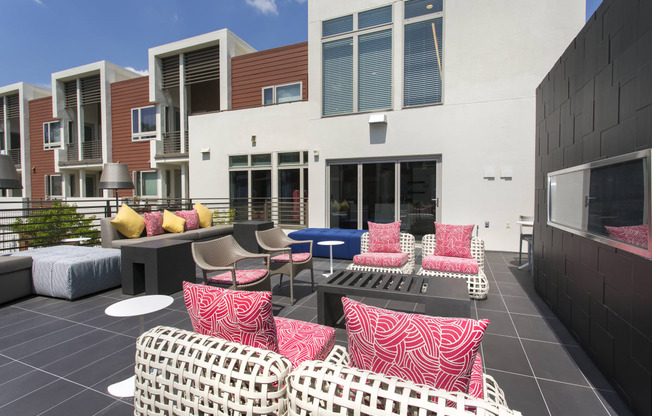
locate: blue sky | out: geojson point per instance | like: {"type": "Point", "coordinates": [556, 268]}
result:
{"type": "Point", "coordinates": [46, 36]}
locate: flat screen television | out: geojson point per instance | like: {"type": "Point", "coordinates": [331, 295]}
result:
{"type": "Point", "coordinates": [607, 201]}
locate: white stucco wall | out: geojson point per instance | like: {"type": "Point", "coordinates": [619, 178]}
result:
{"type": "Point", "coordinates": [495, 54]}
{"type": "Point", "coordinates": [277, 128]}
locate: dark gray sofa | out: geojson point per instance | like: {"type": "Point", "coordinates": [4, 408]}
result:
{"type": "Point", "coordinates": [111, 238]}
{"type": "Point", "coordinates": [15, 278]}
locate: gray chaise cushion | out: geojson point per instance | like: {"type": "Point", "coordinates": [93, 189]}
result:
{"type": "Point", "coordinates": [9, 264]}
{"type": "Point", "coordinates": [70, 272]}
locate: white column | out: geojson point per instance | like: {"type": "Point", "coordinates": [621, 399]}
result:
{"type": "Point", "coordinates": [183, 105]}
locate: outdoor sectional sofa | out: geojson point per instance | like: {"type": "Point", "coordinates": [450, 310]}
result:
{"type": "Point", "coordinates": [180, 371]}
{"type": "Point", "coordinates": [111, 238]}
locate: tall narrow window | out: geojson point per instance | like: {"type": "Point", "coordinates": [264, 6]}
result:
{"type": "Point", "coordinates": [338, 77]}
{"type": "Point", "coordinates": [53, 185]}
{"type": "Point", "coordinates": [143, 123]}
{"type": "Point", "coordinates": [146, 183]}
{"type": "Point", "coordinates": [423, 62]}
{"type": "Point", "coordinates": [375, 71]}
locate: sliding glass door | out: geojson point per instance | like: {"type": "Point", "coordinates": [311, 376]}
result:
{"type": "Point", "coordinates": [384, 191]}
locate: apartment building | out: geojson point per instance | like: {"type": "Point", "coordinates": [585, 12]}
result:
{"type": "Point", "coordinates": [416, 111]}
{"type": "Point", "coordinates": [14, 129]}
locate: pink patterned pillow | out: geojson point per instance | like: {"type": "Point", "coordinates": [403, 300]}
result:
{"type": "Point", "coordinates": [476, 386]}
{"type": "Point", "coordinates": [453, 240]}
{"type": "Point", "coordinates": [381, 259]}
{"type": "Point", "coordinates": [385, 238]}
{"type": "Point", "coordinates": [450, 264]}
{"type": "Point", "coordinates": [233, 315]}
{"type": "Point", "coordinates": [154, 223]}
{"type": "Point", "coordinates": [300, 341]}
{"type": "Point", "coordinates": [192, 220]}
{"type": "Point", "coordinates": [633, 234]}
{"type": "Point", "coordinates": [438, 352]}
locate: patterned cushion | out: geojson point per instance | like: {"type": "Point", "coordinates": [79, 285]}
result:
{"type": "Point", "coordinates": [381, 259]}
{"type": "Point", "coordinates": [450, 264]}
{"type": "Point", "coordinates": [192, 220]}
{"type": "Point", "coordinates": [300, 341]}
{"type": "Point", "coordinates": [634, 234]}
{"type": "Point", "coordinates": [476, 386]}
{"type": "Point", "coordinates": [242, 277]}
{"type": "Point", "coordinates": [233, 315]}
{"type": "Point", "coordinates": [296, 257]}
{"type": "Point", "coordinates": [128, 222]}
{"type": "Point", "coordinates": [154, 223]}
{"type": "Point", "coordinates": [385, 238]}
{"type": "Point", "coordinates": [438, 352]}
{"type": "Point", "coordinates": [453, 240]}
{"type": "Point", "coordinates": [172, 223]}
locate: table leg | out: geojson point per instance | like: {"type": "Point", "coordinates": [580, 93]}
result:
{"type": "Point", "coordinates": [328, 274]}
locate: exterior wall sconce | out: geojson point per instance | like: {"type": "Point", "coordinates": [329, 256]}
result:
{"type": "Point", "coordinates": [489, 173]}
{"type": "Point", "coordinates": [253, 140]}
{"type": "Point", "coordinates": [377, 118]}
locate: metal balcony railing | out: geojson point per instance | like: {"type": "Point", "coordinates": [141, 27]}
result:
{"type": "Point", "coordinates": [171, 142]}
{"type": "Point", "coordinates": [72, 152]}
{"type": "Point", "coordinates": [15, 156]}
{"type": "Point", "coordinates": [92, 150]}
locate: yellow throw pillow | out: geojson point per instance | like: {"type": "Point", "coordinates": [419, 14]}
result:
{"type": "Point", "coordinates": [172, 223]}
{"type": "Point", "coordinates": [344, 206]}
{"type": "Point", "coordinates": [128, 222]}
{"type": "Point", "coordinates": [205, 215]}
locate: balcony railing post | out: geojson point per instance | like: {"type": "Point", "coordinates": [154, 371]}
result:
{"type": "Point", "coordinates": [107, 210]}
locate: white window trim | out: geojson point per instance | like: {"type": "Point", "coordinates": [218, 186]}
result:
{"type": "Point", "coordinates": [48, 186]}
{"type": "Point", "coordinates": [139, 183]}
{"type": "Point", "coordinates": [274, 87]}
{"type": "Point", "coordinates": [142, 136]}
{"type": "Point", "coordinates": [48, 146]}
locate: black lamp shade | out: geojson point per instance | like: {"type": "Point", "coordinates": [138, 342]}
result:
{"type": "Point", "coordinates": [9, 178]}
{"type": "Point", "coordinates": [116, 176]}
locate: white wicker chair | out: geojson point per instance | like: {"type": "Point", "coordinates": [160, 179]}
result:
{"type": "Point", "coordinates": [477, 283]}
{"type": "Point", "coordinates": [181, 372]}
{"type": "Point", "coordinates": [407, 246]}
{"type": "Point", "coordinates": [332, 388]}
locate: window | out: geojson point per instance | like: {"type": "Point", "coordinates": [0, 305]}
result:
{"type": "Point", "coordinates": [337, 26]}
{"type": "Point", "coordinates": [282, 93]}
{"type": "Point", "coordinates": [289, 158]}
{"type": "Point", "coordinates": [261, 160]}
{"type": "Point", "coordinates": [423, 53]}
{"type": "Point", "coordinates": [146, 183]}
{"type": "Point", "coordinates": [53, 186]}
{"type": "Point", "coordinates": [370, 51]}
{"type": "Point", "coordinates": [143, 123]}
{"type": "Point", "coordinates": [52, 135]}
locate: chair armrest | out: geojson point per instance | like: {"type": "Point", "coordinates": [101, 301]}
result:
{"type": "Point", "coordinates": [338, 356]}
{"type": "Point", "coordinates": [255, 256]}
{"type": "Point", "coordinates": [304, 242]}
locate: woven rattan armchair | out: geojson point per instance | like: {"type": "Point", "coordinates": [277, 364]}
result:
{"type": "Point", "coordinates": [330, 387]}
{"type": "Point", "coordinates": [478, 284]}
{"type": "Point", "coordinates": [181, 372]}
{"type": "Point", "coordinates": [276, 241]}
{"type": "Point", "coordinates": [407, 246]}
{"type": "Point", "coordinates": [223, 255]}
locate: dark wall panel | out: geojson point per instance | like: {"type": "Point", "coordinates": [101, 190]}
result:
{"type": "Point", "coordinates": [595, 103]}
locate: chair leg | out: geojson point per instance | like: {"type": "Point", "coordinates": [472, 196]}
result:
{"type": "Point", "coordinates": [520, 250]}
{"type": "Point", "coordinates": [312, 279]}
{"type": "Point", "coordinates": [292, 289]}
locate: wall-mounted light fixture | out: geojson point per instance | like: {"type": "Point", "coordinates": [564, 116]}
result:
{"type": "Point", "coordinates": [377, 118]}
{"type": "Point", "coordinates": [506, 172]}
{"type": "Point", "coordinates": [489, 172]}
{"type": "Point", "coordinates": [253, 140]}
{"type": "Point", "coordinates": [315, 153]}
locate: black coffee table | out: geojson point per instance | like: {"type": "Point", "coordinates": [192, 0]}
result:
{"type": "Point", "coordinates": [157, 267]}
{"type": "Point", "coordinates": [441, 296]}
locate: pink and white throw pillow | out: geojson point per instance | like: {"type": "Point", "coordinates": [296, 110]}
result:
{"type": "Point", "coordinates": [234, 315]}
{"type": "Point", "coordinates": [453, 240]}
{"type": "Point", "coordinates": [300, 341]}
{"type": "Point", "coordinates": [385, 238]}
{"type": "Point", "coordinates": [154, 223]}
{"type": "Point", "coordinates": [296, 258]}
{"type": "Point", "coordinates": [476, 386]}
{"type": "Point", "coordinates": [450, 264]}
{"type": "Point", "coordinates": [438, 352]}
{"type": "Point", "coordinates": [192, 220]}
{"type": "Point", "coordinates": [242, 277]}
{"type": "Point", "coordinates": [633, 234]}
{"type": "Point", "coordinates": [381, 259]}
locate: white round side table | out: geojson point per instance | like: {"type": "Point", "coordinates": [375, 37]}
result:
{"type": "Point", "coordinates": [330, 243]}
{"type": "Point", "coordinates": [138, 306]}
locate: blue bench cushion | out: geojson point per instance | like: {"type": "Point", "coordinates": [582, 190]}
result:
{"type": "Point", "coordinates": [350, 248]}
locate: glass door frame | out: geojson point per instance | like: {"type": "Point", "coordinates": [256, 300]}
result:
{"type": "Point", "coordinates": [397, 180]}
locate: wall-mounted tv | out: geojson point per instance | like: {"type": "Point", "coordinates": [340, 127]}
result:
{"type": "Point", "coordinates": [607, 201]}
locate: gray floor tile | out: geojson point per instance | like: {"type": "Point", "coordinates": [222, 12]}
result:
{"type": "Point", "coordinates": [589, 369]}
{"type": "Point", "coordinates": [517, 304]}
{"type": "Point", "coordinates": [117, 409]}
{"type": "Point", "coordinates": [87, 402]}
{"type": "Point", "coordinates": [500, 322]}
{"type": "Point", "coordinates": [553, 362]}
{"type": "Point", "coordinates": [507, 277]}
{"type": "Point", "coordinates": [47, 341]}
{"type": "Point", "coordinates": [512, 289]}
{"type": "Point", "coordinates": [42, 399]}
{"type": "Point", "coordinates": [522, 393]}
{"type": "Point", "coordinates": [13, 370]}
{"type": "Point", "coordinates": [505, 354]}
{"type": "Point", "coordinates": [16, 317]}
{"type": "Point", "coordinates": [67, 348]}
{"type": "Point", "coordinates": [104, 368]}
{"type": "Point", "coordinates": [400, 306]}
{"type": "Point", "coordinates": [492, 303]}
{"type": "Point", "coordinates": [31, 334]}
{"type": "Point", "coordinates": [538, 328]}
{"type": "Point", "coordinates": [116, 377]}
{"type": "Point", "coordinates": [23, 385]}
{"type": "Point", "coordinates": [564, 399]}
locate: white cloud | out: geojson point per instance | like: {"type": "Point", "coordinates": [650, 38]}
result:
{"type": "Point", "coordinates": [40, 2]}
{"type": "Point", "coordinates": [264, 6]}
{"type": "Point", "coordinates": [138, 71]}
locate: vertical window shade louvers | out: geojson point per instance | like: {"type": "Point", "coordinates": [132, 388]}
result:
{"type": "Point", "coordinates": [2, 114]}
{"type": "Point", "coordinates": [91, 92]}
{"type": "Point", "coordinates": [375, 71]}
{"type": "Point", "coordinates": [338, 76]}
{"type": "Point", "coordinates": [70, 94]}
{"type": "Point", "coordinates": [423, 62]}
{"type": "Point", "coordinates": [170, 71]}
{"type": "Point", "coordinates": [13, 106]}
{"type": "Point", "coordinates": [202, 65]}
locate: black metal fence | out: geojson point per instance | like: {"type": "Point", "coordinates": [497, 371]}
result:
{"type": "Point", "coordinates": [27, 223]}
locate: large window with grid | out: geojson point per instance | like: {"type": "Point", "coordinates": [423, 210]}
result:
{"type": "Point", "coordinates": [357, 62]}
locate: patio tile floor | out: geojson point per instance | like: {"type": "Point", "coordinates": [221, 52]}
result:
{"type": "Point", "coordinates": [59, 357]}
